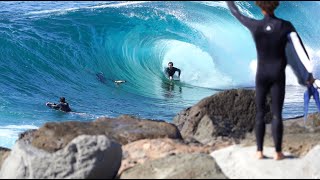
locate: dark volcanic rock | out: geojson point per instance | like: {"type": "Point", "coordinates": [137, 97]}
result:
{"type": "Point", "coordinates": [124, 129]}
{"type": "Point", "coordinates": [230, 114]}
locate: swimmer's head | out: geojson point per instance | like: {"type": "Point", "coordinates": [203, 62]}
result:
{"type": "Point", "coordinates": [268, 6]}
{"type": "Point", "coordinates": [62, 99]}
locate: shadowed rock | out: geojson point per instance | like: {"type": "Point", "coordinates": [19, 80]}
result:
{"type": "Point", "coordinates": [54, 136]}
{"type": "Point", "coordinates": [229, 114]}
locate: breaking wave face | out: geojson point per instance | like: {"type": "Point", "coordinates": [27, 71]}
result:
{"type": "Point", "coordinates": [135, 41]}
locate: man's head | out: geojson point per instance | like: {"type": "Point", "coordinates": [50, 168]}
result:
{"type": "Point", "coordinates": [170, 64]}
{"type": "Point", "coordinates": [268, 6]}
{"type": "Point", "coordinates": [62, 99]}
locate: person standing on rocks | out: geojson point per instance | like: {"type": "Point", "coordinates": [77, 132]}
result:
{"type": "Point", "coordinates": [271, 35]}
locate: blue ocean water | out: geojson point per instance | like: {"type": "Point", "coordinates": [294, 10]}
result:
{"type": "Point", "coordinates": [53, 49]}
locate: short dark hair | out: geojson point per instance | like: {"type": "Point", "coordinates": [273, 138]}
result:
{"type": "Point", "coordinates": [170, 63]}
{"type": "Point", "coordinates": [268, 6]}
{"type": "Point", "coordinates": [62, 99]}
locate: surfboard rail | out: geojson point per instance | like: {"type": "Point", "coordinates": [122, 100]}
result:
{"type": "Point", "coordinates": [298, 59]}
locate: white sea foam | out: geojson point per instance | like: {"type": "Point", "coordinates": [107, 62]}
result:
{"type": "Point", "coordinates": [10, 133]}
{"type": "Point", "coordinates": [65, 10]}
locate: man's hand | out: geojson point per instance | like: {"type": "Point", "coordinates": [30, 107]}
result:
{"type": "Point", "coordinates": [170, 78]}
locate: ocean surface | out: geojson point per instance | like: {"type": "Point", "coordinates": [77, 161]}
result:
{"type": "Point", "coordinates": [76, 49]}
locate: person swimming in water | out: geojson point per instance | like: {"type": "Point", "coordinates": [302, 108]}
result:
{"type": "Point", "coordinates": [100, 76]}
{"type": "Point", "coordinates": [170, 70]}
{"type": "Point", "coordinates": [270, 35]}
{"type": "Point", "coordinates": [62, 106]}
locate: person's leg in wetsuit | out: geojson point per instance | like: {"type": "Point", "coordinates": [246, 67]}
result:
{"type": "Point", "coordinates": [316, 98]}
{"type": "Point", "coordinates": [306, 99]}
{"type": "Point", "coordinates": [262, 90]}
{"type": "Point", "coordinates": [311, 91]}
{"type": "Point", "coordinates": [277, 94]}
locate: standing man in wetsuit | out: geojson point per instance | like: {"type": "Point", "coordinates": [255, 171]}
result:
{"type": "Point", "coordinates": [170, 70]}
{"type": "Point", "coordinates": [270, 35]}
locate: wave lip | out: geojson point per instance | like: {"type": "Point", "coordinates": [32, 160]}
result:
{"type": "Point", "coordinates": [65, 10]}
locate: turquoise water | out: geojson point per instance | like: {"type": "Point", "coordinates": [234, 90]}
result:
{"type": "Point", "coordinates": [53, 49]}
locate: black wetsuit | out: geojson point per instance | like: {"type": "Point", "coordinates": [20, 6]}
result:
{"type": "Point", "coordinates": [270, 35]}
{"type": "Point", "coordinates": [101, 78]}
{"type": "Point", "coordinates": [61, 106]}
{"type": "Point", "coordinates": [171, 71]}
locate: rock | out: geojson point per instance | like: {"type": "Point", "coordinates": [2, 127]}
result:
{"type": "Point", "coordinates": [297, 139]}
{"type": "Point", "coordinates": [313, 121]}
{"type": "Point", "coordinates": [84, 157]}
{"type": "Point", "coordinates": [27, 134]}
{"type": "Point", "coordinates": [141, 151]}
{"type": "Point", "coordinates": [240, 163]}
{"type": "Point", "coordinates": [4, 152]}
{"type": "Point", "coordinates": [181, 166]}
{"type": "Point", "coordinates": [125, 129]}
{"type": "Point", "coordinates": [229, 114]}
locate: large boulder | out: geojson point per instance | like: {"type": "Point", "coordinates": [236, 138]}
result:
{"type": "Point", "coordinates": [298, 139]}
{"type": "Point", "coordinates": [229, 114]}
{"type": "Point", "coordinates": [181, 166]}
{"type": "Point", "coordinates": [4, 152]}
{"type": "Point", "coordinates": [124, 129]}
{"type": "Point", "coordinates": [85, 157]}
{"type": "Point", "coordinates": [238, 162]}
{"type": "Point", "coordinates": [145, 150]}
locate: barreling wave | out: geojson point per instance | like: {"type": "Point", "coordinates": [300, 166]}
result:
{"type": "Point", "coordinates": [134, 41]}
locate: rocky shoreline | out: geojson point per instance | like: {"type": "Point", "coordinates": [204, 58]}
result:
{"type": "Point", "coordinates": [129, 147]}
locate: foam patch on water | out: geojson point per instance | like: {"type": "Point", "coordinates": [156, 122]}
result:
{"type": "Point", "coordinates": [9, 134]}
